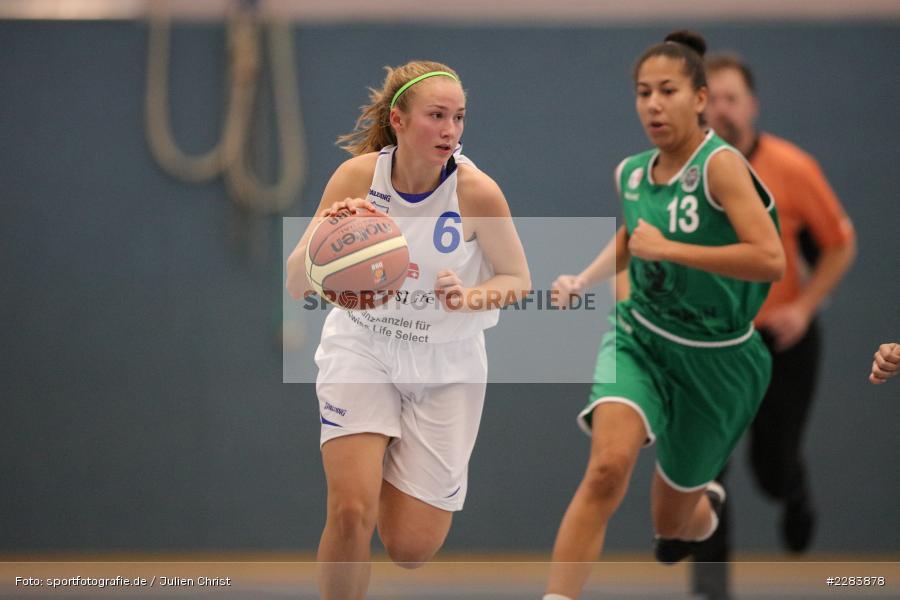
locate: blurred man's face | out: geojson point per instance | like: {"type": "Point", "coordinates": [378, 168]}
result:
{"type": "Point", "coordinates": [732, 108]}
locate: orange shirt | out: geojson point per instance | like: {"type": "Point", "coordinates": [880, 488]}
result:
{"type": "Point", "coordinates": [804, 200]}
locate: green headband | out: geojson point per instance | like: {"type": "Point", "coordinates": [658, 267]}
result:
{"type": "Point", "coordinates": [416, 80]}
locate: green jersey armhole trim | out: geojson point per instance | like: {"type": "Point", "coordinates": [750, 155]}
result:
{"type": "Point", "coordinates": [619, 169]}
{"type": "Point", "coordinates": [756, 180]}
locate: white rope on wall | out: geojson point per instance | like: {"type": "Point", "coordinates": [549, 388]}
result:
{"type": "Point", "coordinates": [229, 156]}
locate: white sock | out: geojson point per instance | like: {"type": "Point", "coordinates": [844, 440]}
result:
{"type": "Point", "coordinates": [720, 491]}
{"type": "Point", "coordinates": [555, 597]}
{"type": "Point", "coordinates": [712, 528]}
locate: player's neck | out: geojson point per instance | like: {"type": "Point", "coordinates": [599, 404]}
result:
{"type": "Point", "coordinates": [675, 156]}
{"type": "Point", "coordinates": [412, 176]}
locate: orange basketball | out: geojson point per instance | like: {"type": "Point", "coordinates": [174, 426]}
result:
{"type": "Point", "coordinates": [357, 260]}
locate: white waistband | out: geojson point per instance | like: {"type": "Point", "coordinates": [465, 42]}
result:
{"type": "Point", "coordinates": [686, 342]}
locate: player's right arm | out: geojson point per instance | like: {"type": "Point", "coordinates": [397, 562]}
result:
{"type": "Point", "coordinates": [347, 188]}
{"type": "Point", "coordinates": [756, 256]}
{"type": "Point", "coordinates": [611, 260]}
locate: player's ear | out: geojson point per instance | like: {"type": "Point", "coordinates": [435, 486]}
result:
{"type": "Point", "coordinates": [702, 99]}
{"type": "Point", "coordinates": [395, 118]}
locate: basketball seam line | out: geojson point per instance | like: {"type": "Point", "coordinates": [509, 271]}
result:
{"type": "Point", "coordinates": [390, 245]}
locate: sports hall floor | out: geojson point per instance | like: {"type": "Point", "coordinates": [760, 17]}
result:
{"type": "Point", "coordinates": [518, 577]}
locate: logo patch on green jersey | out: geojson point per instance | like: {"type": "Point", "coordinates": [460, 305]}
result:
{"type": "Point", "coordinates": [634, 180]}
{"type": "Point", "coordinates": [690, 179]}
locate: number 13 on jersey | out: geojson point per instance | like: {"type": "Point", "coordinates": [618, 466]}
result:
{"type": "Point", "coordinates": [683, 215]}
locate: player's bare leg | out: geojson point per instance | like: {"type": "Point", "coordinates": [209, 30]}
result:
{"type": "Point", "coordinates": [353, 472]}
{"type": "Point", "coordinates": [677, 514]}
{"type": "Point", "coordinates": [683, 519]}
{"type": "Point", "coordinates": [412, 531]}
{"type": "Point", "coordinates": [617, 436]}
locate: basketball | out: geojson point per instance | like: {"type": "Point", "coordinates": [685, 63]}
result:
{"type": "Point", "coordinates": [357, 261]}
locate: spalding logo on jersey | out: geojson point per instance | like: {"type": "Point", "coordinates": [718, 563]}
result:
{"type": "Point", "coordinates": [690, 179]}
{"type": "Point", "coordinates": [385, 205]}
{"type": "Point", "coordinates": [634, 179]}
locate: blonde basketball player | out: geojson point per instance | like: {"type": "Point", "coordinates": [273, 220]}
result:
{"type": "Point", "coordinates": [400, 417]}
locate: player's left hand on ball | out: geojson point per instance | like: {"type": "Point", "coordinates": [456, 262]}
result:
{"type": "Point", "coordinates": [449, 290]}
{"type": "Point", "coordinates": [646, 241]}
{"type": "Point", "coordinates": [354, 205]}
{"type": "Point", "coordinates": [886, 363]}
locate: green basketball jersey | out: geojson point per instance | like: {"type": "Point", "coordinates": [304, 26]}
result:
{"type": "Point", "coordinates": [687, 302]}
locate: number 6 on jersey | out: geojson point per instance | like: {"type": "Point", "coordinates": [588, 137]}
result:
{"type": "Point", "coordinates": [441, 229]}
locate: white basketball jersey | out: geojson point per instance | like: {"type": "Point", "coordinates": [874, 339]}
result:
{"type": "Point", "coordinates": [433, 231]}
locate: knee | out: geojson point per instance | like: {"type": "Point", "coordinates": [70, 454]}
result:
{"type": "Point", "coordinates": [352, 518]}
{"type": "Point", "coordinates": [409, 553]}
{"type": "Point", "coordinates": [607, 478]}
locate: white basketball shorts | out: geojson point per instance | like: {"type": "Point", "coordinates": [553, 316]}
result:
{"type": "Point", "coordinates": [427, 397]}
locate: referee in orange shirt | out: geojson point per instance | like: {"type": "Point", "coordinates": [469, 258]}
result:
{"type": "Point", "coordinates": [787, 321]}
